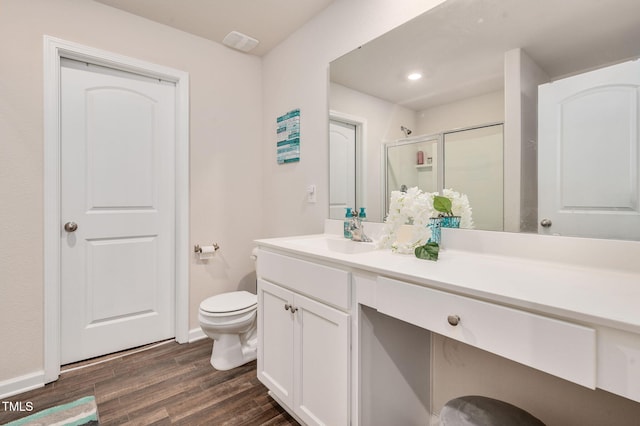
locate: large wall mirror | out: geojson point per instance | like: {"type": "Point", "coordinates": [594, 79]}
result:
{"type": "Point", "coordinates": [481, 64]}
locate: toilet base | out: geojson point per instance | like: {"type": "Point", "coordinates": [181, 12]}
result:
{"type": "Point", "coordinates": [228, 352]}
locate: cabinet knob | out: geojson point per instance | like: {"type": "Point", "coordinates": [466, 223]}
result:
{"type": "Point", "coordinates": [453, 320]}
{"type": "Point", "coordinates": [292, 308]}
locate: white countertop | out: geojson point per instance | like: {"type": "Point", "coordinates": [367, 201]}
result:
{"type": "Point", "coordinates": [586, 292]}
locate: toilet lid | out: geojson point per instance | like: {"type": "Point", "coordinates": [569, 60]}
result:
{"type": "Point", "coordinates": [229, 302]}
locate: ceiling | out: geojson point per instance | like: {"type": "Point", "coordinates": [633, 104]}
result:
{"type": "Point", "coordinates": [459, 47]}
{"type": "Point", "coordinates": [268, 21]}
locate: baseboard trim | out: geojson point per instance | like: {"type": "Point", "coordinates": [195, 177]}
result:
{"type": "Point", "coordinates": [196, 334]}
{"type": "Point", "coordinates": [21, 384]}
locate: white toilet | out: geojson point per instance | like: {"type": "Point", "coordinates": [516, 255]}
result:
{"type": "Point", "coordinates": [230, 320]}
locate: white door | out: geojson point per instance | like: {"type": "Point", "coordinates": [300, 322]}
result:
{"type": "Point", "coordinates": [342, 168]}
{"type": "Point", "coordinates": [588, 154]}
{"type": "Point", "coordinates": [117, 187]}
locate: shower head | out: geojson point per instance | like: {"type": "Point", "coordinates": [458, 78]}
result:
{"type": "Point", "coordinates": [406, 131]}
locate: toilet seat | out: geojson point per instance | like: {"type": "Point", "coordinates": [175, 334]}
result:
{"type": "Point", "coordinates": [233, 303]}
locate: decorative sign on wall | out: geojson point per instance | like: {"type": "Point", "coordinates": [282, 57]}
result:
{"type": "Point", "coordinates": [289, 137]}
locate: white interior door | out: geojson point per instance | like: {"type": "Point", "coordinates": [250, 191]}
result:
{"type": "Point", "coordinates": [588, 154]}
{"type": "Point", "coordinates": [117, 186]}
{"type": "Point", "coordinates": [342, 168]}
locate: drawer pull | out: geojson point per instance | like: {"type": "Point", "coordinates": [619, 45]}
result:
{"type": "Point", "coordinates": [453, 320]}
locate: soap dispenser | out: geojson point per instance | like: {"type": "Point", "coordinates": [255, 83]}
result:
{"type": "Point", "coordinates": [347, 223]}
{"type": "Point", "coordinates": [362, 215]}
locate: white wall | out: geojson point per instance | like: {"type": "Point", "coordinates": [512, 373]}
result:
{"type": "Point", "coordinates": [482, 109]}
{"type": "Point", "coordinates": [225, 152]}
{"type": "Point", "coordinates": [522, 77]}
{"type": "Point", "coordinates": [295, 75]}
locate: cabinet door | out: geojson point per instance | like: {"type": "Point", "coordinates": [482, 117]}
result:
{"type": "Point", "coordinates": [321, 363]}
{"type": "Point", "coordinates": [275, 340]}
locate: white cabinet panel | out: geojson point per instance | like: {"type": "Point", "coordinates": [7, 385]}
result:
{"type": "Point", "coordinates": [560, 348]}
{"type": "Point", "coordinates": [327, 284]}
{"type": "Point", "coordinates": [322, 363]}
{"type": "Point", "coordinates": [275, 340]}
{"type": "Point", "coordinates": [619, 362]}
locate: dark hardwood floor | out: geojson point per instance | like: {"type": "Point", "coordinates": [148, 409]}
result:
{"type": "Point", "coordinates": [167, 384]}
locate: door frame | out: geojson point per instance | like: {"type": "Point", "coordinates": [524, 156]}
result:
{"type": "Point", "coordinates": [53, 50]}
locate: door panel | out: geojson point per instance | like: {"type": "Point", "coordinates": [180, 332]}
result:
{"type": "Point", "coordinates": [342, 165]}
{"type": "Point", "coordinates": [117, 180]}
{"type": "Point", "coordinates": [589, 153]}
{"type": "Point", "coordinates": [115, 293]}
{"type": "Point", "coordinates": [109, 148]}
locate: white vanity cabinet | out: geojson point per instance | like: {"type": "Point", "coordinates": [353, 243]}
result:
{"type": "Point", "coordinates": [304, 345]}
{"type": "Point", "coordinates": [348, 336]}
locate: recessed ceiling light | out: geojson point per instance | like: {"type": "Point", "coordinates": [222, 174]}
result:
{"type": "Point", "coordinates": [414, 76]}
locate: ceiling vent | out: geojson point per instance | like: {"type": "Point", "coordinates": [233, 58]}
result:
{"type": "Point", "coordinates": [240, 41]}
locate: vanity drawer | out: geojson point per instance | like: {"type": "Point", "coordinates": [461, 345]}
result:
{"type": "Point", "coordinates": [557, 347]}
{"type": "Point", "coordinates": [324, 283]}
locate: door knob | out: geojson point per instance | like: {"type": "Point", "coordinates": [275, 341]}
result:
{"type": "Point", "coordinates": [545, 223]}
{"type": "Point", "coordinates": [70, 226]}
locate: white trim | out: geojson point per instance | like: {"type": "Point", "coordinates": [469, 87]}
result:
{"type": "Point", "coordinates": [21, 384]}
{"type": "Point", "coordinates": [196, 334]}
{"type": "Point", "coordinates": [54, 49]}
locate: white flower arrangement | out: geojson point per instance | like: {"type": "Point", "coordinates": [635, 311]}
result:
{"type": "Point", "coordinates": [411, 206]}
{"type": "Point", "coordinates": [416, 207]}
{"type": "Point", "coordinates": [460, 207]}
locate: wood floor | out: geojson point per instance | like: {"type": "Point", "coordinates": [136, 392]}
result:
{"type": "Point", "coordinates": [168, 384]}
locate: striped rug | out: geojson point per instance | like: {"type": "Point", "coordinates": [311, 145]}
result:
{"type": "Point", "coordinates": [80, 412]}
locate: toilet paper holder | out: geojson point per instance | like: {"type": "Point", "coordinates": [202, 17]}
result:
{"type": "Point", "coordinates": [198, 249]}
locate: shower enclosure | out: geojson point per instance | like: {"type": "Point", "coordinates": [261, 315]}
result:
{"type": "Point", "coordinates": [466, 160]}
